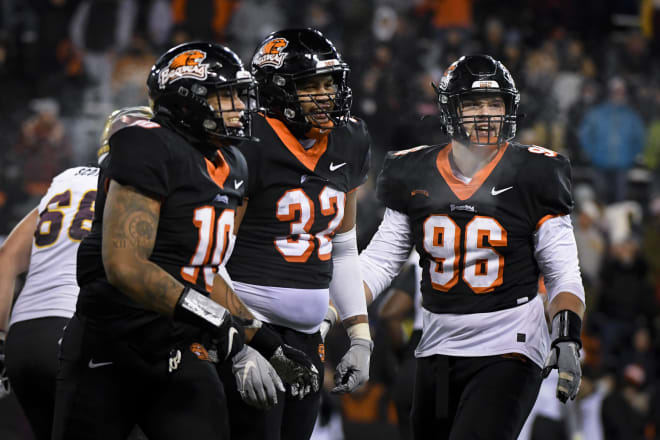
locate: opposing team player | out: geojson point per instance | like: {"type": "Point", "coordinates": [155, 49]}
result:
{"type": "Point", "coordinates": [140, 346]}
{"type": "Point", "coordinates": [487, 217]}
{"type": "Point", "coordinates": [296, 245]}
{"type": "Point", "coordinates": [44, 244]}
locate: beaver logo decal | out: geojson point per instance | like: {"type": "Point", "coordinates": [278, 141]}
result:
{"type": "Point", "coordinates": [185, 65]}
{"type": "Point", "coordinates": [271, 53]}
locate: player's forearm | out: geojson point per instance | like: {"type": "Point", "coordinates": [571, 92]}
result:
{"type": "Point", "coordinates": [352, 320]}
{"type": "Point", "coordinates": [368, 295]}
{"type": "Point", "coordinates": [566, 301]}
{"type": "Point", "coordinates": [14, 260]}
{"type": "Point", "coordinates": [130, 223]}
{"type": "Point", "coordinates": [226, 297]}
{"type": "Point", "coordinates": [147, 284]}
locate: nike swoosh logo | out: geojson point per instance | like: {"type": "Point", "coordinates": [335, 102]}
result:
{"type": "Point", "coordinates": [248, 365]}
{"type": "Point", "coordinates": [334, 167]}
{"type": "Point", "coordinates": [232, 332]}
{"type": "Point", "coordinates": [93, 364]}
{"type": "Point", "coordinates": [494, 192]}
{"type": "Point", "coordinates": [237, 184]}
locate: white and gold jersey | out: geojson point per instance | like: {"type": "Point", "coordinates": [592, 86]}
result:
{"type": "Point", "coordinates": [65, 218]}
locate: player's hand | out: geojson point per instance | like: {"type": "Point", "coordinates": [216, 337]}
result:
{"type": "Point", "coordinates": [4, 380]}
{"type": "Point", "coordinates": [292, 365]}
{"type": "Point", "coordinates": [256, 380]}
{"type": "Point", "coordinates": [353, 369]}
{"type": "Point", "coordinates": [296, 369]}
{"type": "Point", "coordinates": [565, 357]}
{"type": "Point", "coordinates": [229, 338]}
{"type": "Point", "coordinates": [328, 322]}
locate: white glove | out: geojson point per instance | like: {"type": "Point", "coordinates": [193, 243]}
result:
{"type": "Point", "coordinates": [353, 369]}
{"type": "Point", "coordinates": [565, 357]}
{"type": "Point", "coordinates": [256, 380]}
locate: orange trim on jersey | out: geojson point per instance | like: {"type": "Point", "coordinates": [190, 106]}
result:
{"type": "Point", "coordinates": [465, 190]}
{"type": "Point", "coordinates": [481, 266]}
{"type": "Point", "coordinates": [546, 218]}
{"type": "Point", "coordinates": [218, 173]}
{"type": "Point", "coordinates": [310, 157]}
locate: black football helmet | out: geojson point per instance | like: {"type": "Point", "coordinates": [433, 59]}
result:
{"type": "Point", "coordinates": [186, 75]}
{"type": "Point", "coordinates": [472, 75]}
{"type": "Point", "coordinates": [290, 55]}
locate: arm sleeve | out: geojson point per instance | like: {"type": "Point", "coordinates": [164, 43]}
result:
{"type": "Point", "coordinates": [139, 158]}
{"type": "Point", "coordinates": [346, 290]}
{"type": "Point", "coordinates": [556, 254]}
{"type": "Point", "coordinates": [387, 252]}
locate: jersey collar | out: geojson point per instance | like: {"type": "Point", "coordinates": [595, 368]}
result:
{"type": "Point", "coordinates": [462, 190]}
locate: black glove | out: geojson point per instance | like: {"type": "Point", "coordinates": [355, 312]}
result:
{"type": "Point", "coordinates": [291, 364]}
{"type": "Point", "coordinates": [4, 380]}
{"type": "Point", "coordinates": [565, 354]}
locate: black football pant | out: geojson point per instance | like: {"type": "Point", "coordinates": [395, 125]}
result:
{"type": "Point", "coordinates": [290, 419]}
{"type": "Point", "coordinates": [106, 387]}
{"type": "Point", "coordinates": [31, 358]}
{"type": "Point", "coordinates": [404, 384]}
{"type": "Point", "coordinates": [473, 398]}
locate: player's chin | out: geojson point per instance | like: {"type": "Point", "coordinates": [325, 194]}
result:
{"type": "Point", "coordinates": [320, 120]}
{"type": "Point", "coordinates": [484, 138]}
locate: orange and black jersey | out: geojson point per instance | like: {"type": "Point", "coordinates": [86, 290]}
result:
{"type": "Point", "coordinates": [296, 201]}
{"type": "Point", "coordinates": [195, 228]}
{"type": "Point", "coordinates": [475, 240]}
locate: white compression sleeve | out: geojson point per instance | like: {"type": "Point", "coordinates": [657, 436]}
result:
{"type": "Point", "coordinates": [346, 289]}
{"type": "Point", "coordinates": [388, 250]}
{"type": "Point", "coordinates": [556, 254]}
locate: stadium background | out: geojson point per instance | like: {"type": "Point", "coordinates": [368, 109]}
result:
{"type": "Point", "coordinates": [589, 76]}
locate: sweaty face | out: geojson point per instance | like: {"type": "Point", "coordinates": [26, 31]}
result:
{"type": "Point", "coordinates": [316, 96]}
{"type": "Point", "coordinates": [482, 117]}
{"type": "Point", "coordinates": [230, 104]}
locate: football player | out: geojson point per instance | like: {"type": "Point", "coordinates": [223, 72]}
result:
{"type": "Point", "coordinates": [140, 347]}
{"type": "Point", "coordinates": [296, 246]}
{"type": "Point", "coordinates": [44, 244]}
{"type": "Point", "coordinates": [487, 217]}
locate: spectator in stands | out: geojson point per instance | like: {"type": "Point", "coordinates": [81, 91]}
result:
{"type": "Point", "coordinates": [612, 135]}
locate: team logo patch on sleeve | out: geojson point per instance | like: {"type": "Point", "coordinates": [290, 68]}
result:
{"type": "Point", "coordinates": [199, 351]}
{"type": "Point", "coordinates": [271, 53]}
{"type": "Point", "coordinates": [187, 64]}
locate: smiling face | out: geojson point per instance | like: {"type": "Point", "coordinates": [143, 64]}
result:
{"type": "Point", "coordinates": [230, 104]}
{"type": "Point", "coordinates": [482, 117]}
{"type": "Point", "coordinates": [316, 95]}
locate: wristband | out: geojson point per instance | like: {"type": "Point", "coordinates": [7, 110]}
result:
{"type": "Point", "coordinates": [266, 341]}
{"type": "Point", "coordinates": [199, 310]}
{"type": "Point", "coordinates": [360, 330]}
{"type": "Point", "coordinates": [566, 326]}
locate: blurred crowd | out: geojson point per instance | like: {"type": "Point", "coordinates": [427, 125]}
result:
{"type": "Point", "coordinates": [589, 75]}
